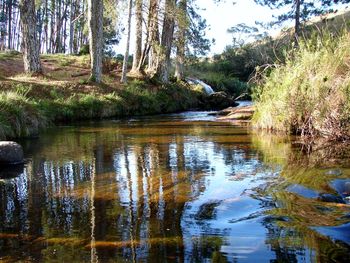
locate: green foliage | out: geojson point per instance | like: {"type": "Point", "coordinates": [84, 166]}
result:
{"type": "Point", "coordinates": [308, 8]}
{"type": "Point", "coordinates": [222, 82]}
{"type": "Point", "coordinates": [8, 55]}
{"type": "Point", "coordinates": [84, 50]}
{"type": "Point", "coordinates": [310, 94]}
{"type": "Point", "coordinates": [18, 116]}
{"type": "Point", "coordinates": [23, 115]}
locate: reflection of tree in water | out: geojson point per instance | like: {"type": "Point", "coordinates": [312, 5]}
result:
{"type": "Point", "coordinates": [122, 193]}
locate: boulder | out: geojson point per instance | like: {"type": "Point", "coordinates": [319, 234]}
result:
{"type": "Point", "coordinates": [218, 101]}
{"type": "Point", "coordinates": [11, 153]}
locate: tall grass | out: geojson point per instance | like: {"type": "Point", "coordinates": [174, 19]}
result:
{"type": "Point", "coordinates": [22, 115]}
{"type": "Point", "coordinates": [19, 116]}
{"type": "Point", "coordinates": [310, 93]}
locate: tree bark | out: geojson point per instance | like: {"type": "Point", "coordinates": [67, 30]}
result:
{"type": "Point", "coordinates": [181, 40]}
{"type": "Point", "coordinates": [9, 24]}
{"type": "Point", "coordinates": [31, 53]}
{"type": "Point", "coordinates": [126, 56]}
{"type": "Point", "coordinates": [52, 26]}
{"type": "Point", "coordinates": [95, 21]}
{"type": "Point", "coordinates": [58, 27]}
{"type": "Point", "coordinates": [153, 6]}
{"type": "Point", "coordinates": [166, 41]}
{"type": "Point", "coordinates": [138, 41]}
{"type": "Point", "coordinates": [71, 27]}
{"type": "Point", "coordinates": [46, 25]}
{"type": "Point", "coordinates": [153, 37]}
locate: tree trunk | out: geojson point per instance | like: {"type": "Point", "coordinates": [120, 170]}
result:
{"type": "Point", "coordinates": [95, 21]}
{"type": "Point", "coordinates": [147, 46]}
{"type": "Point", "coordinates": [153, 37]}
{"type": "Point", "coordinates": [46, 26]}
{"type": "Point", "coordinates": [52, 26]}
{"type": "Point", "coordinates": [9, 24]}
{"type": "Point", "coordinates": [126, 56]}
{"type": "Point", "coordinates": [181, 40]}
{"type": "Point", "coordinates": [167, 40]}
{"type": "Point", "coordinates": [71, 27]}
{"type": "Point", "coordinates": [58, 42]}
{"type": "Point", "coordinates": [15, 34]}
{"type": "Point", "coordinates": [40, 20]}
{"type": "Point", "coordinates": [297, 22]}
{"type": "Point", "coordinates": [138, 42]}
{"type": "Point", "coordinates": [2, 32]}
{"type": "Point", "coordinates": [31, 56]}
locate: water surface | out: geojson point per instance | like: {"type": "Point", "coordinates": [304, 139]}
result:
{"type": "Point", "coordinates": [174, 188]}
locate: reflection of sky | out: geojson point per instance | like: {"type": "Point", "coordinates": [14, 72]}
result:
{"type": "Point", "coordinates": [240, 239]}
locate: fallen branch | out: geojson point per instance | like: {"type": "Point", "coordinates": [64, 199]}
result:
{"type": "Point", "coordinates": [80, 74]}
{"type": "Point", "coordinates": [240, 96]}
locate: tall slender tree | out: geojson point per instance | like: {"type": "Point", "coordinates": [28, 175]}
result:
{"type": "Point", "coordinates": [126, 56]}
{"type": "Point", "coordinates": [182, 23]}
{"type": "Point", "coordinates": [138, 36]}
{"type": "Point", "coordinates": [10, 3]}
{"type": "Point", "coordinates": [153, 32]}
{"type": "Point", "coordinates": [166, 41]}
{"type": "Point", "coordinates": [31, 52]}
{"type": "Point", "coordinates": [95, 21]}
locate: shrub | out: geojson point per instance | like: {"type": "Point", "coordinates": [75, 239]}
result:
{"type": "Point", "coordinates": [310, 94]}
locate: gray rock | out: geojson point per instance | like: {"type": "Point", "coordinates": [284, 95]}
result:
{"type": "Point", "coordinates": [11, 153]}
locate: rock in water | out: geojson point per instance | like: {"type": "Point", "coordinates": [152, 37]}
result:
{"type": "Point", "coordinates": [11, 153]}
{"type": "Point", "coordinates": [218, 101]}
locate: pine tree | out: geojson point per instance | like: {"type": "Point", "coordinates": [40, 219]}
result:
{"type": "Point", "coordinates": [31, 52]}
{"type": "Point", "coordinates": [166, 41]}
{"type": "Point", "coordinates": [138, 34]}
{"type": "Point", "coordinates": [182, 23]}
{"type": "Point", "coordinates": [126, 56]}
{"type": "Point", "coordinates": [95, 21]}
{"type": "Point", "coordinates": [298, 10]}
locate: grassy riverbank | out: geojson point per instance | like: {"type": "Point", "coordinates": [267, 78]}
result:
{"type": "Point", "coordinates": [310, 93]}
{"type": "Point", "coordinates": [63, 94]}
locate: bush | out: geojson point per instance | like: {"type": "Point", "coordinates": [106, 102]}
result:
{"type": "Point", "coordinates": [84, 50]}
{"type": "Point", "coordinates": [310, 94]}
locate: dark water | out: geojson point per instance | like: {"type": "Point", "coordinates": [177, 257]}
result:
{"type": "Point", "coordinates": [174, 188]}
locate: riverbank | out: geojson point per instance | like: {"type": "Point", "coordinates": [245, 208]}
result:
{"type": "Point", "coordinates": [241, 115]}
{"type": "Point", "coordinates": [64, 94]}
{"type": "Point", "coordinates": [309, 95]}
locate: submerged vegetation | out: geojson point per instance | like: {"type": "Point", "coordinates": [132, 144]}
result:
{"type": "Point", "coordinates": [310, 93]}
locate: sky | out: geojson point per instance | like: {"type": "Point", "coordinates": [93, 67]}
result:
{"type": "Point", "coordinates": [219, 18]}
{"type": "Point", "coordinates": [222, 16]}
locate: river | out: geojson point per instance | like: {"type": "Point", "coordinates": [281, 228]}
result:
{"type": "Point", "coordinates": [175, 188]}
